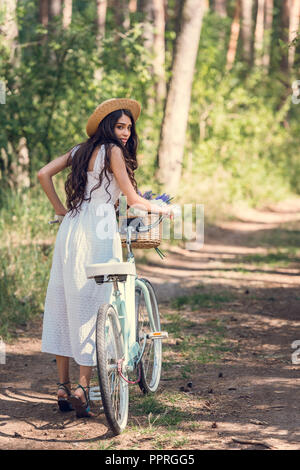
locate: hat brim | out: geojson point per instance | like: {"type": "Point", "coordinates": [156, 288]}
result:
{"type": "Point", "coordinates": [108, 107]}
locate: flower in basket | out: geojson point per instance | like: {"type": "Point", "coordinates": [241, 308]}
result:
{"type": "Point", "coordinates": [165, 198]}
{"type": "Point", "coordinates": [159, 199]}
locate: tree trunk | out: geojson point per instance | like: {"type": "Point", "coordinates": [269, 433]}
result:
{"type": "Point", "coordinates": [132, 6]}
{"type": "Point", "coordinates": [43, 18]}
{"type": "Point", "coordinates": [205, 6]}
{"type": "Point", "coordinates": [259, 32]}
{"type": "Point", "coordinates": [293, 29]}
{"type": "Point", "coordinates": [148, 31]}
{"type": "Point", "coordinates": [219, 7]}
{"type": "Point", "coordinates": [9, 28]}
{"type": "Point", "coordinates": [100, 34]}
{"type": "Point", "coordinates": [67, 13]}
{"type": "Point", "coordinates": [234, 35]}
{"type": "Point", "coordinates": [54, 8]}
{"type": "Point", "coordinates": [159, 50]}
{"type": "Point", "coordinates": [43, 12]}
{"type": "Point", "coordinates": [269, 5]}
{"type": "Point", "coordinates": [146, 7]}
{"type": "Point", "coordinates": [101, 18]}
{"type": "Point", "coordinates": [247, 29]}
{"type": "Point", "coordinates": [171, 148]}
{"type": "Point", "coordinates": [285, 19]}
{"type": "Point", "coordinates": [122, 18]}
{"type": "Point", "coordinates": [15, 163]}
{"type": "Point", "coordinates": [20, 166]}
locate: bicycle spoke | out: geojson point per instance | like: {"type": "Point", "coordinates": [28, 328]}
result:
{"type": "Point", "coordinates": [110, 349]}
{"type": "Point", "coordinates": [148, 322]}
{"type": "Point", "coordinates": [148, 355]}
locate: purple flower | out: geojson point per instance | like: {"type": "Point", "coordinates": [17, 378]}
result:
{"type": "Point", "coordinates": [150, 196]}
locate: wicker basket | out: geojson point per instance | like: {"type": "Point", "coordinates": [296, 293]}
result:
{"type": "Point", "coordinates": [150, 239]}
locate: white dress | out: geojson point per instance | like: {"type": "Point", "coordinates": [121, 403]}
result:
{"type": "Point", "coordinates": [72, 300]}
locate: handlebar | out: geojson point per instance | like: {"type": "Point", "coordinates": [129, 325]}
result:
{"type": "Point", "coordinates": [146, 228]}
{"type": "Point", "coordinates": [136, 224]}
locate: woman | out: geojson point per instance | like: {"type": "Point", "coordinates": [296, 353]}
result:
{"type": "Point", "coordinates": [102, 168]}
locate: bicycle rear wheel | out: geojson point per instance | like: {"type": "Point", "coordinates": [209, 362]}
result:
{"type": "Point", "coordinates": [109, 350]}
{"type": "Point", "coordinates": [152, 358]}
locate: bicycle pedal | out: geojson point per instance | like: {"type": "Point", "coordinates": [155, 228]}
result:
{"type": "Point", "coordinates": [157, 335]}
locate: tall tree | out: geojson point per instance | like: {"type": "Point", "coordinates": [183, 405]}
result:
{"type": "Point", "coordinates": [246, 30]}
{"type": "Point", "coordinates": [100, 21]}
{"type": "Point", "coordinates": [285, 19]}
{"type": "Point", "coordinates": [293, 28]}
{"type": "Point", "coordinates": [9, 28]}
{"type": "Point", "coordinates": [43, 12]}
{"type": "Point", "coordinates": [259, 32]}
{"type": "Point", "coordinates": [67, 13]}
{"type": "Point", "coordinates": [100, 34]}
{"type": "Point", "coordinates": [132, 6]}
{"type": "Point", "coordinates": [44, 18]}
{"type": "Point", "coordinates": [219, 7]}
{"type": "Point", "coordinates": [146, 8]}
{"type": "Point", "coordinates": [54, 8]}
{"type": "Point", "coordinates": [268, 23]}
{"type": "Point", "coordinates": [234, 35]}
{"type": "Point", "coordinates": [121, 11]}
{"type": "Point", "coordinates": [171, 148]}
{"type": "Point", "coordinates": [14, 161]}
{"type": "Point", "coordinates": [159, 50]}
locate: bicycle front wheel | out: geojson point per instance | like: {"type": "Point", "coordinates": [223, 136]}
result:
{"type": "Point", "coordinates": [110, 350]}
{"type": "Point", "coordinates": [147, 322]}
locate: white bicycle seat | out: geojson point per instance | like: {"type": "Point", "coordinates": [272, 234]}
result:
{"type": "Point", "coordinates": [113, 266]}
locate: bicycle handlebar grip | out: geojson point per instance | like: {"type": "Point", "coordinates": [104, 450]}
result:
{"type": "Point", "coordinates": [146, 228]}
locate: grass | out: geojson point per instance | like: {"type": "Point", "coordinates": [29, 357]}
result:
{"type": "Point", "coordinates": [26, 248]}
{"type": "Point", "coordinates": [278, 258]}
{"type": "Point", "coordinates": [202, 347]}
{"type": "Point", "coordinates": [106, 445]}
{"type": "Point", "coordinates": [202, 300]}
{"type": "Point", "coordinates": [282, 237]}
{"type": "Point", "coordinates": [24, 273]}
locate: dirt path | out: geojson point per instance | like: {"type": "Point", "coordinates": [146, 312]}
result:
{"type": "Point", "coordinates": [230, 338]}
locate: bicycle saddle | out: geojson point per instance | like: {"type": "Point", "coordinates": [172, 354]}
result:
{"type": "Point", "coordinates": [113, 266]}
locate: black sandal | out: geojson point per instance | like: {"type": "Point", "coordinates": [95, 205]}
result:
{"type": "Point", "coordinates": [82, 409]}
{"type": "Point", "coordinates": [64, 403]}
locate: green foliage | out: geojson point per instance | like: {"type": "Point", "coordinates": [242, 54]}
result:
{"type": "Point", "coordinates": [239, 140]}
{"type": "Point", "coordinates": [241, 144]}
{"type": "Point", "coordinates": [52, 89]}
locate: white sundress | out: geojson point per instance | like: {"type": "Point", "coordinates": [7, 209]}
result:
{"type": "Point", "coordinates": [72, 301]}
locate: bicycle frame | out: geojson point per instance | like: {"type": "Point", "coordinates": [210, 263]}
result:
{"type": "Point", "coordinates": [123, 300]}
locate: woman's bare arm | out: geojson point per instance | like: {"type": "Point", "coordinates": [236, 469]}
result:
{"type": "Point", "coordinates": [118, 167]}
{"type": "Point", "coordinates": [45, 175]}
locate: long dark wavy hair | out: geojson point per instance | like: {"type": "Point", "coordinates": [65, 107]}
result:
{"type": "Point", "coordinates": [77, 178]}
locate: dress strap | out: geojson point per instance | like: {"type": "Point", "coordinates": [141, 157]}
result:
{"type": "Point", "coordinates": [74, 150]}
{"type": "Point", "coordinates": [99, 158]}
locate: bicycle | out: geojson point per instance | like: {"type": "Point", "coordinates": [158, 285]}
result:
{"type": "Point", "coordinates": [128, 334]}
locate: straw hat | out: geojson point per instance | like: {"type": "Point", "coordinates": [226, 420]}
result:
{"type": "Point", "coordinates": [108, 107]}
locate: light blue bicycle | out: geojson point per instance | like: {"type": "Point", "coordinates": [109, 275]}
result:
{"type": "Point", "coordinates": [128, 332]}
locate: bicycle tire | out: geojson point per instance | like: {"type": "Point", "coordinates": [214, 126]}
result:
{"type": "Point", "coordinates": [109, 349]}
{"type": "Point", "coordinates": [151, 362]}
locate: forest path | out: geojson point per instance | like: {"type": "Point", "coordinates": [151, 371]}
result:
{"type": "Point", "coordinates": [230, 336]}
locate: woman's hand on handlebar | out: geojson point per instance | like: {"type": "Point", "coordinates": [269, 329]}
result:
{"type": "Point", "coordinates": [168, 211]}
